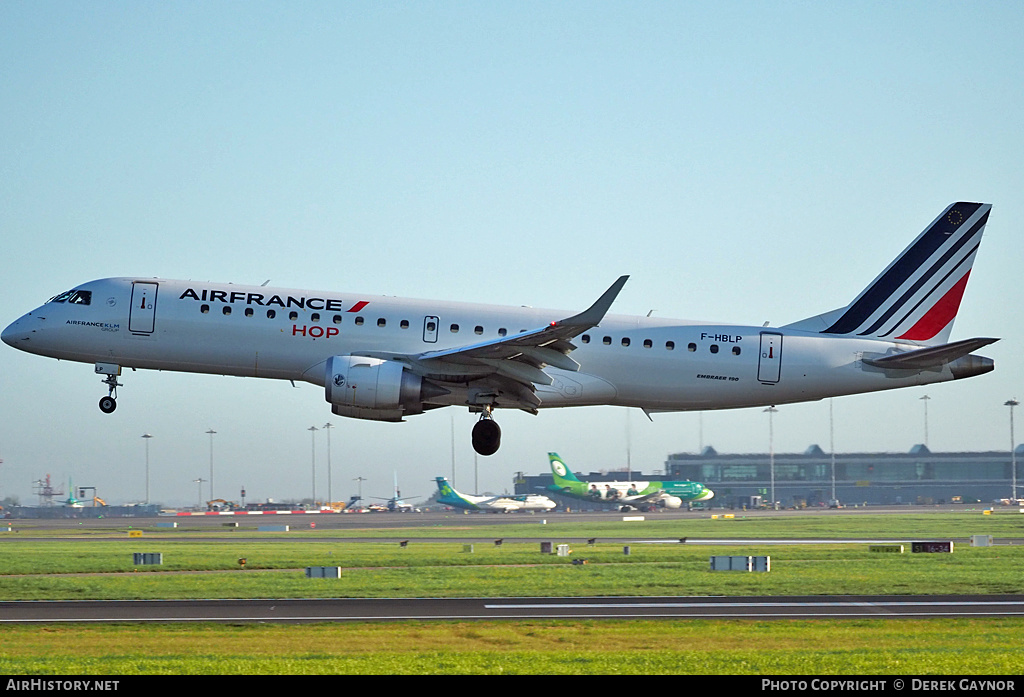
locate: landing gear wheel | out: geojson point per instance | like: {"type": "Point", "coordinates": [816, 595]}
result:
{"type": "Point", "coordinates": [108, 405]}
{"type": "Point", "coordinates": [486, 436]}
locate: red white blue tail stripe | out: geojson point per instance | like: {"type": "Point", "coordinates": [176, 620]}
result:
{"type": "Point", "coordinates": [917, 297]}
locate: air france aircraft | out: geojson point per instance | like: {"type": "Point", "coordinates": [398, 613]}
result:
{"type": "Point", "coordinates": [386, 358]}
{"type": "Point", "coordinates": [629, 494]}
{"type": "Point", "coordinates": [497, 504]}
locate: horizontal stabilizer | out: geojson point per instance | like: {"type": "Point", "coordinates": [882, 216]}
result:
{"type": "Point", "coordinates": [931, 357]}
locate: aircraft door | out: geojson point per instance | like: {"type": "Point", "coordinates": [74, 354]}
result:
{"type": "Point", "coordinates": [142, 315]}
{"type": "Point", "coordinates": [769, 363]}
{"type": "Point", "coordinates": [430, 325]}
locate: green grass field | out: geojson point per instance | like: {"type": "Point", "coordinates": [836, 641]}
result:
{"type": "Point", "coordinates": [699, 647]}
{"type": "Point", "coordinates": [203, 563]}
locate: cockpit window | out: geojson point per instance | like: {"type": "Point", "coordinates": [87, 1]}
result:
{"type": "Point", "coordinates": [75, 297]}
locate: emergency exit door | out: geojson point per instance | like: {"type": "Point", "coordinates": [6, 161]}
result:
{"type": "Point", "coordinates": [142, 315]}
{"type": "Point", "coordinates": [430, 325]}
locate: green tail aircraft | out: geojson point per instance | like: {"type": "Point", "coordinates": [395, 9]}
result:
{"type": "Point", "coordinates": [628, 494]}
{"type": "Point", "coordinates": [503, 504]}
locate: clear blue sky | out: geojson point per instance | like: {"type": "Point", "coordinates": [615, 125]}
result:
{"type": "Point", "coordinates": [742, 161]}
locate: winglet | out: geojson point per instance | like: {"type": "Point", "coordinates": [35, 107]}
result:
{"type": "Point", "coordinates": [593, 315]}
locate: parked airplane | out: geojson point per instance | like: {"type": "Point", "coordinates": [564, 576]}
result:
{"type": "Point", "coordinates": [386, 358]}
{"type": "Point", "coordinates": [502, 504]}
{"type": "Point", "coordinates": [396, 504]}
{"type": "Point", "coordinates": [632, 493]}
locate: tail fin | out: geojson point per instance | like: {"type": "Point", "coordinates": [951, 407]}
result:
{"type": "Point", "coordinates": [450, 497]}
{"type": "Point", "coordinates": [444, 487]}
{"type": "Point", "coordinates": [918, 295]}
{"type": "Point", "coordinates": [562, 474]}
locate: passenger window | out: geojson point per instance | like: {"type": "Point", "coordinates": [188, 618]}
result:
{"type": "Point", "coordinates": [271, 314]}
{"type": "Point", "coordinates": [226, 310]}
{"type": "Point", "coordinates": [315, 317]}
{"type": "Point", "coordinates": [648, 343]}
{"type": "Point", "coordinates": [359, 321]}
{"type": "Point", "coordinates": [478, 329]}
{"type": "Point", "coordinates": [625, 341]}
{"type": "Point", "coordinates": [502, 331]}
{"type": "Point", "coordinates": [607, 341]}
{"type": "Point", "coordinates": [585, 338]}
{"type": "Point", "coordinates": [691, 347]}
{"type": "Point", "coordinates": [455, 329]}
{"type": "Point", "coordinates": [714, 348]}
{"type": "Point", "coordinates": [337, 319]}
{"type": "Point", "coordinates": [735, 350]}
{"type": "Point", "coordinates": [293, 315]}
{"type": "Point", "coordinates": [381, 322]}
{"type": "Point", "coordinates": [670, 346]}
{"type": "Point", "coordinates": [404, 324]}
{"type": "Point", "coordinates": [431, 327]}
{"type": "Point", "coordinates": [204, 309]}
{"type": "Point", "coordinates": [248, 312]}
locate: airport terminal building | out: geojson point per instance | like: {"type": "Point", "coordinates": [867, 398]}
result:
{"type": "Point", "coordinates": [917, 476]}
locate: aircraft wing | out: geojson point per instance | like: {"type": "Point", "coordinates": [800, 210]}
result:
{"type": "Point", "coordinates": [504, 371]}
{"type": "Point", "coordinates": [548, 345]}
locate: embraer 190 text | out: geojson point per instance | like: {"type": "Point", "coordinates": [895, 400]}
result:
{"type": "Point", "coordinates": [385, 358]}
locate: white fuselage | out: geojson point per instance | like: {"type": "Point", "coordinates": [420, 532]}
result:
{"type": "Point", "coordinates": [253, 331]}
{"type": "Point", "coordinates": [505, 504]}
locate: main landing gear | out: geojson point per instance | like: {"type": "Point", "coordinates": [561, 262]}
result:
{"type": "Point", "coordinates": [486, 434]}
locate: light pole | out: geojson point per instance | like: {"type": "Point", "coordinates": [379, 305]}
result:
{"type": "Point", "coordinates": [1013, 450]}
{"type": "Point", "coordinates": [629, 449]}
{"type": "Point", "coordinates": [327, 427]}
{"type": "Point", "coordinates": [925, 399]}
{"type": "Point", "coordinates": [199, 492]}
{"type": "Point", "coordinates": [771, 450]}
{"type": "Point", "coordinates": [146, 436]}
{"type": "Point", "coordinates": [452, 416]}
{"type": "Point", "coordinates": [211, 433]}
{"type": "Point", "coordinates": [832, 448]}
{"type": "Point", "coordinates": [360, 480]}
{"type": "Point", "coordinates": [312, 432]}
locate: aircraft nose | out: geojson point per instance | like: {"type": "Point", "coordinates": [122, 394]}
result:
{"type": "Point", "coordinates": [8, 334]}
{"type": "Point", "coordinates": [15, 333]}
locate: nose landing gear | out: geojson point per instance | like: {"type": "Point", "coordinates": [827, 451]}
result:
{"type": "Point", "coordinates": [109, 403]}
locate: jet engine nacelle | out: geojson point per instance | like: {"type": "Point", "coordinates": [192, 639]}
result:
{"type": "Point", "coordinates": [671, 502]}
{"type": "Point", "coordinates": [371, 388]}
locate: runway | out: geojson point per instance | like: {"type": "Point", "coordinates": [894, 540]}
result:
{"type": "Point", "coordinates": [466, 609]}
{"type": "Point", "coordinates": [398, 521]}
